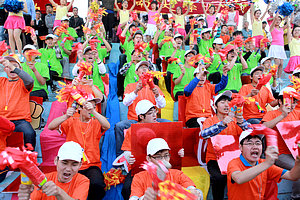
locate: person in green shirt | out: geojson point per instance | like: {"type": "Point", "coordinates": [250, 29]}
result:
{"type": "Point", "coordinates": [234, 75]}
{"type": "Point", "coordinates": [214, 68]}
{"type": "Point", "coordinates": [50, 58]}
{"type": "Point", "coordinates": [266, 63]}
{"type": "Point", "coordinates": [183, 74]}
{"type": "Point", "coordinates": [39, 72]}
{"type": "Point", "coordinates": [206, 42]}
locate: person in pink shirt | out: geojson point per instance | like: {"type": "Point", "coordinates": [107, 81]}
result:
{"type": "Point", "coordinates": [151, 25]}
{"type": "Point", "coordinates": [211, 15]}
{"type": "Point", "coordinates": [276, 50]}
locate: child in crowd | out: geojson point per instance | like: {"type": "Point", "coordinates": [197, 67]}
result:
{"type": "Point", "coordinates": [61, 10]}
{"type": "Point", "coordinates": [86, 130]}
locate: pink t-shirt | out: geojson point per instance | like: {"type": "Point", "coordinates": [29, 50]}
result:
{"type": "Point", "coordinates": [151, 17]}
{"type": "Point", "coordinates": [277, 37]}
{"type": "Point", "coordinates": [210, 19]}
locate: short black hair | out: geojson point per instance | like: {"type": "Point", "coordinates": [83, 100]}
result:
{"type": "Point", "coordinates": [250, 137]}
{"type": "Point", "coordinates": [139, 119]}
{"type": "Point", "coordinates": [223, 26]}
{"type": "Point", "coordinates": [75, 8]}
{"type": "Point", "coordinates": [236, 33]}
{"type": "Point", "coordinates": [49, 4]}
{"type": "Point", "coordinates": [297, 74]}
{"type": "Point", "coordinates": [264, 22]}
{"type": "Point", "coordinates": [258, 69]}
{"type": "Point", "coordinates": [38, 11]}
{"type": "Point", "coordinates": [222, 98]}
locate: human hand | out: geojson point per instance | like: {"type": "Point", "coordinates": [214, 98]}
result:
{"type": "Point", "coordinates": [34, 39]}
{"type": "Point", "coordinates": [31, 23]}
{"type": "Point", "coordinates": [62, 45]}
{"type": "Point", "coordinates": [227, 120]}
{"type": "Point", "coordinates": [70, 112]}
{"type": "Point", "coordinates": [286, 109]}
{"type": "Point", "coordinates": [131, 160]}
{"type": "Point", "coordinates": [239, 119]}
{"type": "Point", "coordinates": [271, 155]}
{"type": "Point", "coordinates": [150, 194]}
{"type": "Point", "coordinates": [75, 81]}
{"type": "Point", "coordinates": [155, 92]}
{"type": "Point", "coordinates": [7, 64]}
{"type": "Point", "coordinates": [31, 65]}
{"type": "Point", "coordinates": [254, 92]}
{"type": "Point", "coordinates": [89, 106]}
{"type": "Point", "coordinates": [50, 189]}
{"type": "Point", "coordinates": [197, 193]}
{"type": "Point", "coordinates": [181, 152]}
{"type": "Point", "coordinates": [139, 86]}
{"type": "Point", "coordinates": [25, 191]}
{"type": "Point", "coordinates": [182, 70]}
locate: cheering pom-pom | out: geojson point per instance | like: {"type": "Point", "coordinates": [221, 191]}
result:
{"type": "Point", "coordinates": [211, 52]}
{"type": "Point", "coordinates": [93, 43]}
{"type": "Point", "coordinates": [238, 41]}
{"type": "Point", "coordinates": [29, 30]}
{"type": "Point", "coordinates": [30, 54]}
{"type": "Point", "coordinates": [94, 6]}
{"type": "Point", "coordinates": [197, 58]}
{"type": "Point", "coordinates": [102, 12]}
{"type": "Point", "coordinates": [263, 80]}
{"type": "Point", "coordinates": [273, 70]}
{"type": "Point", "coordinates": [223, 52]}
{"type": "Point", "coordinates": [264, 41]}
{"type": "Point", "coordinates": [77, 47]}
{"type": "Point", "coordinates": [193, 37]}
{"type": "Point", "coordinates": [43, 37]}
{"type": "Point", "coordinates": [271, 135]}
{"type": "Point", "coordinates": [67, 38]}
{"type": "Point", "coordinates": [173, 191]}
{"type": "Point", "coordinates": [286, 9]}
{"type": "Point", "coordinates": [85, 68]}
{"type": "Point", "coordinates": [113, 178]}
{"type": "Point", "coordinates": [14, 6]}
{"type": "Point", "coordinates": [140, 47]}
{"type": "Point", "coordinates": [171, 60]}
{"type": "Point", "coordinates": [167, 39]}
{"type": "Point", "coordinates": [296, 83]}
{"type": "Point", "coordinates": [86, 30]}
{"type": "Point", "coordinates": [133, 15]}
{"type": "Point", "coordinates": [69, 92]}
{"type": "Point", "coordinates": [3, 47]}
{"type": "Point", "coordinates": [192, 22]}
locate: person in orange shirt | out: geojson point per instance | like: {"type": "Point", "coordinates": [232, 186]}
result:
{"type": "Point", "coordinates": [135, 92]}
{"type": "Point", "coordinates": [86, 130]}
{"type": "Point", "coordinates": [66, 182]}
{"type": "Point", "coordinates": [285, 113]}
{"type": "Point", "coordinates": [262, 97]}
{"type": "Point", "coordinates": [14, 101]}
{"type": "Point", "coordinates": [142, 186]}
{"type": "Point", "coordinates": [224, 36]}
{"type": "Point", "coordinates": [221, 124]}
{"type": "Point", "coordinates": [247, 176]}
{"type": "Point", "coordinates": [199, 93]}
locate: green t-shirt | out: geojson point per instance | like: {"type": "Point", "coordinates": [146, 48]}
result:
{"type": "Point", "coordinates": [252, 62]}
{"type": "Point", "coordinates": [129, 47]}
{"type": "Point", "coordinates": [44, 72]}
{"type": "Point", "coordinates": [68, 43]}
{"type": "Point", "coordinates": [234, 78]}
{"type": "Point", "coordinates": [102, 52]}
{"type": "Point", "coordinates": [130, 76]}
{"type": "Point", "coordinates": [204, 46]}
{"type": "Point", "coordinates": [72, 32]}
{"type": "Point", "coordinates": [48, 57]}
{"type": "Point", "coordinates": [186, 79]}
{"type": "Point", "coordinates": [166, 49]}
{"type": "Point", "coordinates": [216, 65]}
{"type": "Point", "coordinates": [172, 66]}
{"type": "Point", "coordinates": [97, 80]}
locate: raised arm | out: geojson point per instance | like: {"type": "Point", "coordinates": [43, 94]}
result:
{"type": "Point", "coordinates": [219, 7]}
{"type": "Point", "coordinates": [273, 22]}
{"type": "Point", "coordinates": [133, 6]}
{"type": "Point", "coordinates": [289, 31]}
{"type": "Point", "coordinates": [170, 9]}
{"type": "Point", "coordinates": [117, 7]}
{"type": "Point", "coordinates": [53, 3]}
{"type": "Point", "coordinates": [70, 5]}
{"type": "Point", "coordinates": [188, 10]}
{"type": "Point", "coordinates": [204, 9]}
{"type": "Point", "coordinates": [54, 125]}
{"type": "Point", "coordinates": [263, 16]}
{"type": "Point", "coordinates": [145, 6]}
{"type": "Point", "coordinates": [252, 13]}
{"type": "Point", "coordinates": [161, 6]}
{"type": "Point", "coordinates": [294, 173]}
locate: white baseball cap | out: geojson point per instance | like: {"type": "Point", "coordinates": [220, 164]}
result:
{"type": "Point", "coordinates": [287, 89]}
{"type": "Point", "coordinates": [205, 30]}
{"type": "Point", "coordinates": [256, 68]}
{"type": "Point", "coordinates": [91, 97]}
{"type": "Point", "coordinates": [227, 93]}
{"type": "Point", "coordinates": [200, 18]}
{"type": "Point", "coordinates": [143, 106]}
{"type": "Point", "coordinates": [70, 151]}
{"type": "Point", "coordinates": [197, 70]}
{"type": "Point", "coordinates": [265, 59]}
{"type": "Point", "coordinates": [178, 35]}
{"type": "Point", "coordinates": [142, 63]}
{"type": "Point", "coordinates": [50, 36]}
{"type": "Point", "coordinates": [28, 47]}
{"type": "Point", "coordinates": [190, 51]}
{"type": "Point", "coordinates": [155, 145]}
{"type": "Point", "coordinates": [218, 41]}
{"type": "Point", "coordinates": [297, 70]}
{"type": "Point", "coordinates": [246, 133]}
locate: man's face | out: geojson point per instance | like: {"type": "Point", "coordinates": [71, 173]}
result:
{"type": "Point", "coordinates": [75, 11]}
{"type": "Point", "coordinates": [223, 106]}
{"type": "Point", "coordinates": [142, 69]}
{"type": "Point", "coordinates": [151, 116]}
{"type": "Point", "coordinates": [10, 74]}
{"type": "Point", "coordinates": [162, 155]}
{"type": "Point", "coordinates": [138, 38]}
{"type": "Point", "coordinates": [65, 22]}
{"type": "Point", "coordinates": [66, 169]}
{"type": "Point", "coordinates": [218, 46]}
{"type": "Point", "coordinates": [267, 64]}
{"type": "Point", "coordinates": [89, 57]}
{"type": "Point", "coordinates": [264, 25]}
{"type": "Point", "coordinates": [205, 36]}
{"type": "Point", "coordinates": [136, 56]}
{"type": "Point", "coordinates": [178, 41]}
{"type": "Point", "coordinates": [49, 9]}
{"type": "Point", "coordinates": [246, 24]}
{"type": "Point", "coordinates": [256, 76]}
{"type": "Point", "coordinates": [230, 55]}
{"type": "Point", "coordinates": [188, 57]}
{"type": "Point", "coordinates": [251, 150]}
{"type": "Point", "coordinates": [38, 15]}
{"type": "Point", "coordinates": [50, 42]}
{"type": "Point", "coordinates": [224, 29]}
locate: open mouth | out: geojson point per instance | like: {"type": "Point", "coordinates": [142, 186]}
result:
{"type": "Point", "coordinates": [254, 154]}
{"type": "Point", "coordinates": [66, 175]}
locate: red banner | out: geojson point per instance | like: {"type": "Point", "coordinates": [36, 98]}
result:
{"type": "Point", "coordinates": [196, 8]}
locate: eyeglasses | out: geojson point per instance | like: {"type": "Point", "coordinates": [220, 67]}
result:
{"type": "Point", "coordinates": [161, 157]}
{"type": "Point", "coordinates": [253, 143]}
{"type": "Point", "coordinates": [154, 112]}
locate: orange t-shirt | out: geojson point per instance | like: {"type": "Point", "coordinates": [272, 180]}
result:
{"type": "Point", "coordinates": [232, 129]}
{"type": "Point", "coordinates": [87, 135]}
{"type": "Point", "coordinates": [15, 98]}
{"type": "Point", "coordinates": [144, 93]}
{"type": "Point", "coordinates": [198, 103]}
{"type": "Point", "coordinates": [142, 180]}
{"type": "Point", "coordinates": [77, 188]}
{"type": "Point", "coordinates": [263, 97]}
{"type": "Point", "coordinates": [126, 146]}
{"type": "Point", "coordinates": [254, 189]}
{"type": "Point", "coordinates": [225, 38]}
{"type": "Point", "coordinates": [292, 116]}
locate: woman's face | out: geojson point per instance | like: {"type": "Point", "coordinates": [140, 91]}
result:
{"type": "Point", "coordinates": [257, 14]}
{"type": "Point", "coordinates": [278, 21]}
{"type": "Point", "coordinates": [125, 4]}
{"type": "Point", "coordinates": [296, 32]}
{"type": "Point", "coordinates": [63, 2]}
{"type": "Point", "coordinates": [179, 10]}
{"type": "Point", "coordinates": [153, 6]}
{"type": "Point", "coordinates": [211, 10]}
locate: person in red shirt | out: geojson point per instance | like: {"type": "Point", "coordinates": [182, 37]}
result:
{"type": "Point", "coordinates": [86, 130]}
{"type": "Point", "coordinates": [66, 182]}
{"type": "Point", "coordinates": [142, 186]}
{"type": "Point", "coordinates": [285, 113]}
{"type": "Point", "coordinates": [199, 93]}
{"type": "Point", "coordinates": [14, 101]}
{"type": "Point", "coordinates": [221, 124]}
{"type": "Point", "coordinates": [262, 97]}
{"type": "Point", "coordinates": [224, 36]}
{"type": "Point", "coordinates": [135, 92]}
{"type": "Point", "coordinates": [247, 176]}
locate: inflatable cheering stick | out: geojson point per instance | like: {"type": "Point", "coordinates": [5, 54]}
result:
{"type": "Point", "coordinates": [271, 135]}
{"type": "Point", "coordinates": [85, 68]}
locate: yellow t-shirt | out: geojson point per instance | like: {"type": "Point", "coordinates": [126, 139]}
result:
{"type": "Point", "coordinates": [294, 47]}
{"type": "Point", "coordinates": [257, 28]}
{"type": "Point", "coordinates": [61, 11]}
{"type": "Point", "coordinates": [179, 19]}
{"type": "Point", "coordinates": [124, 16]}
